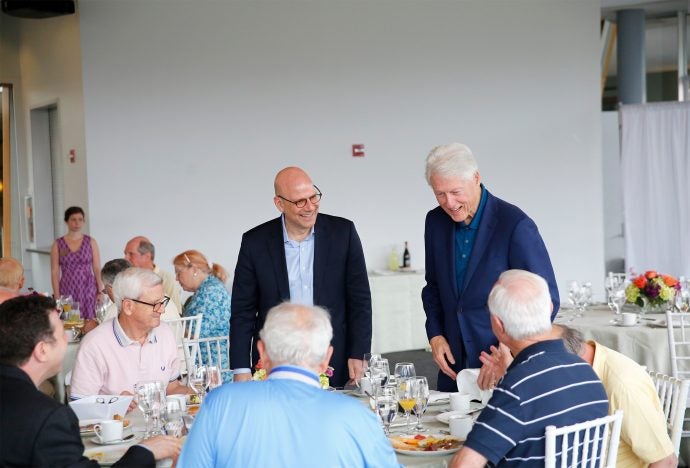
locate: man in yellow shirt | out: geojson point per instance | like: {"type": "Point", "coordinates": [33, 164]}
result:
{"type": "Point", "coordinates": [644, 437]}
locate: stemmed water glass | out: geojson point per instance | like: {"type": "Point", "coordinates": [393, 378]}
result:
{"type": "Point", "coordinates": [213, 377]}
{"type": "Point", "coordinates": [174, 421]}
{"type": "Point", "coordinates": [379, 372]}
{"type": "Point", "coordinates": [404, 370]}
{"type": "Point", "coordinates": [579, 294]}
{"type": "Point", "coordinates": [617, 299]}
{"type": "Point", "coordinates": [150, 399]}
{"type": "Point", "coordinates": [386, 403]}
{"type": "Point", "coordinates": [406, 398]}
{"type": "Point", "coordinates": [198, 380]}
{"type": "Point", "coordinates": [420, 390]}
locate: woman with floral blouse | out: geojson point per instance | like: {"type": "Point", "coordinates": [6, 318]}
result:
{"type": "Point", "coordinates": [210, 298]}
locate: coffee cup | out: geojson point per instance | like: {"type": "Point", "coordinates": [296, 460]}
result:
{"type": "Point", "coordinates": [460, 401]}
{"type": "Point", "coordinates": [109, 430]}
{"type": "Point", "coordinates": [181, 398]}
{"type": "Point", "coordinates": [629, 318]}
{"type": "Point", "coordinates": [460, 426]}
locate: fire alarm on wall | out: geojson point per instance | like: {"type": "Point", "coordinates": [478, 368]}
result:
{"type": "Point", "coordinates": [358, 150]}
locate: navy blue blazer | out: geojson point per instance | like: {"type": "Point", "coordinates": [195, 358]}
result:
{"type": "Point", "coordinates": [506, 239]}
{"type": "Point", "coordinates": [341, 286]}
{"type": "Point", "coordinates": [38, 431]}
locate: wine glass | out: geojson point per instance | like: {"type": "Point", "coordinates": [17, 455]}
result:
{"type": "Point", "coordinates": [150, 397]}
{"type": "Point", "coordinates": [379, 372]}
{"type": "Point", "coordinates": [102, 304]}
{"type": "Point", "coordinates": [406, 398]}
{"type": "Point", "coordinates": [404, 370]}
{"type": "Point", "coordinates": [173, 418]}
{"type": "Point", "coordinates": [198, 380]}
{"type": "Point", "coordinates": [214, 380]}
{"type": "Point", "coordinates": [579, 294]}
{"type": "Point", "coordinates": [386, 403]}
{"type": "Point", "coordinates": [420, 390]}
{"type": "Point", "coordinates": [617, 299]}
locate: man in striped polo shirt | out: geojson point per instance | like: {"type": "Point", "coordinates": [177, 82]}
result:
{"type": "Point", "coordinates": [545, 385]}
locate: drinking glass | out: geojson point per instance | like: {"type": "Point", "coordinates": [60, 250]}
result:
{"type": "Point", "coordinates": [617, 299]}
{"type": "Point", "coordinates": [198, 380]}
{"type": "Point", "coordinates": [150, 397]}
{"type": "Point", "coordinates": [102, 304]}
{"type": "Point", "coordinates": [579, 294]}
{"type": "Point", "coordinates": [379, 372]}
{"type": "Point", "coordinates": [404, 370]}
{"type": "Point", "coordinates": [173, 418]}
{"type": "Point", "coordinates": [406, 398]}
{"type": "Point", "coordinates": [681, 301]}
{"type": "Point", "coordinates": [214, 380]}
{"type": "Point", "coordinates": [386, 406]}
{"type": "Point", "coordinates": [420, 390]}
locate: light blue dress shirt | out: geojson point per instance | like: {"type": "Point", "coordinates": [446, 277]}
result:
{"type": "Point", "coordinates": [286, 420]}
{"type": "Point", "coordinates": [299, 257]}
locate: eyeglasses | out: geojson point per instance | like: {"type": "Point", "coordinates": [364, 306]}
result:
{"type": "Point", "coordinates": [314, 199]}
{"type": "Point", "coordinates": [156, 305]}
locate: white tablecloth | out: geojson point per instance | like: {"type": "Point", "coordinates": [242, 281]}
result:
{"type": "Point", "coordinates": [645, 343]}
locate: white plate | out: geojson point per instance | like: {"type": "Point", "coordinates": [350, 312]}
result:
{"type": "Point", "coordinates": [435, 453]}
{"type": "Point", "coordinates": [621, 324]}
{"type": "Point", "coordinates": [131, 440]}
{"type": "Point", "coordinates": [106, 456]}
{"type": "Point", "coordinates": [474, 407]}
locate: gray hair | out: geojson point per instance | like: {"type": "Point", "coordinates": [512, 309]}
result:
{"type": "Point", "coordinates": [145, 246]}
{"type": "Point", "coordinates": [522, 301]}
{"type": "Point", "coordinates": [112, 268]}
{"type": "Point", "coordinates": [297, 334]}
{"type": "Point", "coordinates": [451, 160]}
{"type": "Point", "coordinates": [573, 339]}
{"type": "Point", "coordinates": [131, 284]}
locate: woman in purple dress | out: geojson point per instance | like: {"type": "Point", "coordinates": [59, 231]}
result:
{"type": "Point", "coordinates": [75, 268]}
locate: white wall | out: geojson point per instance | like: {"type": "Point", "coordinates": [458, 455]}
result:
{"type": "Point", "coordinates": [191, 107]}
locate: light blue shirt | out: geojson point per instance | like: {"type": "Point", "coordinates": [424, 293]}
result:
{"type": "Point", "coordinates": [286, 420]}
{"type": "Point", "coordinates": [299, 257]}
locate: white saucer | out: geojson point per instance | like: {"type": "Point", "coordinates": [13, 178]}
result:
{"type": "Point", "coordinates": [97, 441]}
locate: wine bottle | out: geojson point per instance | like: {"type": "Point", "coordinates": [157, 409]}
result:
{"type": "Point", "coordinates": [406, 257]}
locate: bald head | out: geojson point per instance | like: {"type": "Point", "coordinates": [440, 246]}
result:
{"type": "Point", "coordinates": [140, 252]}
{"type": "Point", "coordinates": [11, 273]}
{"type": "Point", "coordinates": [289, 178]}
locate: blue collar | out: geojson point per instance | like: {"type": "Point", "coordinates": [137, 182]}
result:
{"type": "Point", "coordinates": [286, 239]}
{"type": "Point", "coordinates": [474, 224]}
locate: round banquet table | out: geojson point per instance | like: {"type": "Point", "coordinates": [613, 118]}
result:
{"type": "Point", "coordinates": [646, 343]}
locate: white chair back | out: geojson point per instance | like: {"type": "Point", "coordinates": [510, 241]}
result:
{"type": "Point", "coordinates": [678, 331]}
{"type": "Point", "coordinates": [185, 327]}
{"type": "Point", "coordinates": [673, 395]}
{"type": "Point", "coordinates": [207, 352]}
{"type": "Point", "coordinates": [587, 444]}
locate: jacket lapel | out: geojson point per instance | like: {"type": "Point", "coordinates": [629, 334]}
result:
{"type": "Point", "coordinates": [276, 250]}
{"type": "Point", "coordinates": [484, 234]}
{"type": "Point", "coordinates": [322, 234]}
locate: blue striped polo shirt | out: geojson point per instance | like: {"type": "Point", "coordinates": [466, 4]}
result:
{"type": "Point", "coordinates": [546, 385]}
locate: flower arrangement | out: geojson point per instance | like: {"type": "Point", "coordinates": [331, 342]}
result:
{"type": "Point", "coordinates": [651, 288]}
{"type": "Point", "coordinates": [261, 374]}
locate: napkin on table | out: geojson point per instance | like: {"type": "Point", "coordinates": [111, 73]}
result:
{"type": "Point", "coordinates": [467, 383]}
{"type": "Point", "coordinates": [90, 408]}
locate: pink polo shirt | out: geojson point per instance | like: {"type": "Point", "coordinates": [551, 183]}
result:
{"type": "Point", "coordinates": [108, 362]}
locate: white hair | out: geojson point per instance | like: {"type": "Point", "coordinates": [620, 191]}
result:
{"type": "Point", "coordinates": [297, 334]}
{"type": "Point", "coordinates": [131, 284]}
{"type": "Point", "coordinates": [522, 301]}
{"type": "Point", "coordinates": [451, 160]}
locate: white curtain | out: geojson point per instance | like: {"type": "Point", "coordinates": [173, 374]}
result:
{"type": "Point", "coordinates": [655, 153]}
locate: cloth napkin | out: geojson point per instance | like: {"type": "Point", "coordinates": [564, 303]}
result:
{"type": "Point", "coordinates": [467, 383]}
{"type": "Point", "coordinates": [436, 397]}
{"type": "Point", "coordinates": [90, 407]}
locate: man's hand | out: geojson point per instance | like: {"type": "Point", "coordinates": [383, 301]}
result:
{"type": "Point", "coordinates": [494, 366]}
{"type": "Point", "coordinates": [133, 403]}
{"type": "Point", "coordinates": [355, 368]}
{"type": "Point", "coordinates": [163, 446]}
{"type": "Point", "coordinates": [440, 351]}
{"type": "Point", "coordinates": [243, 377]}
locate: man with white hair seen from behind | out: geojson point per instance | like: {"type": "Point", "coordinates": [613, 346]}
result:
{"type": "Point", "coordinates": [132, 347]}
{"type": "Point", "coordinates": [288, 419]}
{"type": "Point", "coordinates": [545, 385]}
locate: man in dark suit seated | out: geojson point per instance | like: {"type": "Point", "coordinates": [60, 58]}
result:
{"type": "Point", "coordinates": [306, 259]}
{"type": "Point", "coordinates": [37, 430]}
{"type": "Point", "coordinates": [470, 239]}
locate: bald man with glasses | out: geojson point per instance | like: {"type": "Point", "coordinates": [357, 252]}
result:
{"type": "Point", "coordinates": [132, 347]}
{"type": "Point", "coordinates": [308, 258]}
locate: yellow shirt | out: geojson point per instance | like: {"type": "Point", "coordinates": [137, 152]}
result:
{"type": "Point", "coordinates": [644, 437]}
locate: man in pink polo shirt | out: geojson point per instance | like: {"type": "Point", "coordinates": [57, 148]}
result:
{"type": "Point", "coordinates": [131, 348]}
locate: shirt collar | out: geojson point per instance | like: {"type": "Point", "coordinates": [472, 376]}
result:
{"type": "Point", "coordinates": [474, 224]}
{"type": "Point", "coordinates": [286, 239]}
{"type": "Point", "coordinates": [122, 338]}
{"type": "Point", "coordinates": [295, 373]}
